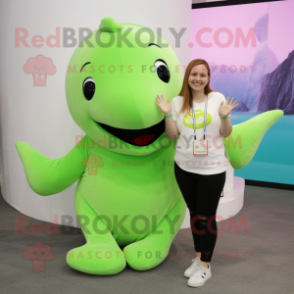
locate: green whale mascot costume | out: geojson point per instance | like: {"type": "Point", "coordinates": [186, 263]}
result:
{"type": "Point", "coordinates": [127, 201]}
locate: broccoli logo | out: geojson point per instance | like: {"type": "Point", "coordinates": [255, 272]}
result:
{"type": "Point", "coordinates": [38, 253]}
{"type": "Point", "coordinates": [92, 162]}
{"type": "Point", "coordinates": [40, 67]}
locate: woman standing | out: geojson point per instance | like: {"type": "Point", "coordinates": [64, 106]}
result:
{"type": "Point", "coordinates": [200, 159]}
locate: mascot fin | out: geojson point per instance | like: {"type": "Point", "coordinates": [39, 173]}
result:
{"type": "Point", "coordinates": [245, 138]}
{"type": "Point", "coordinates": [50, 176]}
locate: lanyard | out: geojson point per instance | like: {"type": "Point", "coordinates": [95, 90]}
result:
{"type": "Point", "coordinates": [194, 122]}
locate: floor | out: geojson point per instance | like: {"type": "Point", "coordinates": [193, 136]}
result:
{"type": "Point", "coordinates": [255, 258]}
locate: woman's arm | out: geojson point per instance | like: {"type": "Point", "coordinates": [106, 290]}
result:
{"type": "Point", "coordinates": [171, 128]}
{"type": "Point", "coordinates": [226, 127]}
{"type": "Point", "coordinates": [167, 109]}
{"type": "Point", "coordinates": [225, 108]}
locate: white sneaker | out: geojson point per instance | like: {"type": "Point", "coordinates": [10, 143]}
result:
{"type": "Point", "coordinates": [199, 277]}
{"type": "Point", "coordinates": [192, 268]}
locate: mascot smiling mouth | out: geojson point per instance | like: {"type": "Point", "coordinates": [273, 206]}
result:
{"type": "Point", "coordinates": [141, 137]}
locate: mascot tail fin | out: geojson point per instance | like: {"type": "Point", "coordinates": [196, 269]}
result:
{"type": "Point", "coordinates": [50, 176]}
{"type": "Point", "coordinates": [245, 138]}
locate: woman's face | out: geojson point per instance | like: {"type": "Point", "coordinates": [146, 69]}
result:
{"type": "Point", "coordinates": [198, 78]}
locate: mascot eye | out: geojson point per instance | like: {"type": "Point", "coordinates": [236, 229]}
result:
{"type": "Point", "coordinates": [162, 70]}
{"type": "Point", "coordinates": [89, 88]}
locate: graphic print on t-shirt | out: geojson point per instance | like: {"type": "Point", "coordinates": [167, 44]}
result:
{"type": "Point", "coordinates": [199, 119]}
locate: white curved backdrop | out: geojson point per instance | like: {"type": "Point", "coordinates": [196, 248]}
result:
{"type": "Point", "coordinates": [33, 107]}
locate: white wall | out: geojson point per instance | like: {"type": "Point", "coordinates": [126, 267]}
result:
{"type": "Point", "coordinates": [38, 115]}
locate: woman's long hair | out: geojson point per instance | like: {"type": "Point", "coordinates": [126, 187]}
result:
{"type": "Point", "coordinates": [186, 89]}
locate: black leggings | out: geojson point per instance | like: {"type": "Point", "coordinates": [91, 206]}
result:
{"type": "Point", "coordinates": [202, 194]}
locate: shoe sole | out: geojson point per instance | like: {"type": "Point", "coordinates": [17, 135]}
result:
{"type": "Point", "coordinates": [200, 284]}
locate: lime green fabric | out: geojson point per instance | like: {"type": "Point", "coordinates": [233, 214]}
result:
{"type": "Point", "coordinates": [50, 176]}
{"type": "Point", "coordinates": [245, 138]}
{"type": "Point", "coordinates": [127, 201]}
{"type": "Point", "coordinates": [120, 200]}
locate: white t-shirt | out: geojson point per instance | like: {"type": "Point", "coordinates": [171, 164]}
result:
{"type": "Point", "coordinates": [216, 161]}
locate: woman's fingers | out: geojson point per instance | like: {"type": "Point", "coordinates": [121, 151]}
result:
{"type": "Point", "coordinates": [160, 98]}
{"type": "Point", "coordinates": [235, 106]}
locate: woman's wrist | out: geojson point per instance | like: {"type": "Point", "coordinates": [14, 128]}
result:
{"type": "Point", "coordinates": [167, 115]}
{"type": "Point", "coordinates": [224, 117]}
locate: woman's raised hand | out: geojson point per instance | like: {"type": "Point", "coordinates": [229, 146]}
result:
{"type": "Point", "coordinates": [227, 107]}
{"type": "Point", "coordinates": [165, 107]}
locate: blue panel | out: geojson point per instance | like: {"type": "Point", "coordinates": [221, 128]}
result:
{"type": "Point", "coordinates": [274, 159]}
